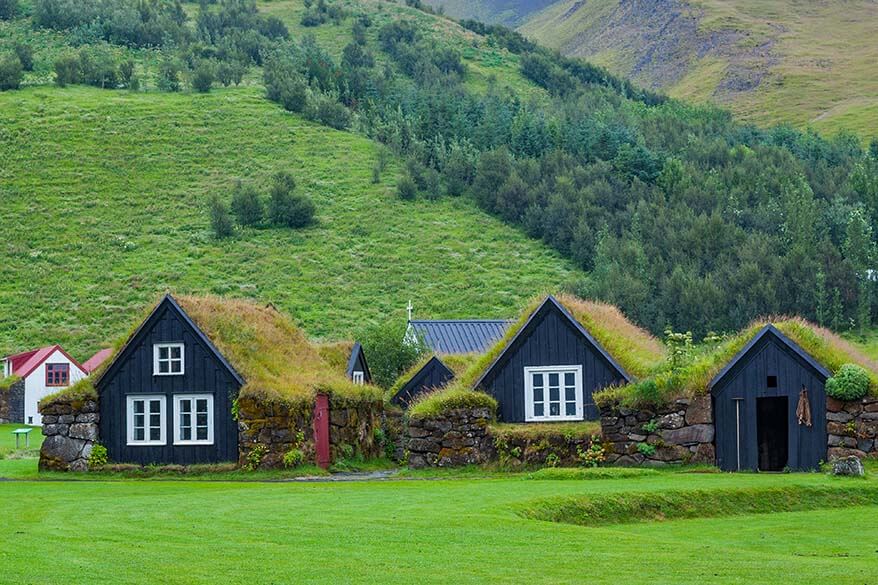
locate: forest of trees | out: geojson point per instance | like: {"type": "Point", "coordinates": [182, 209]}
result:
{"type": "Point", "coordinates": [679, 214]}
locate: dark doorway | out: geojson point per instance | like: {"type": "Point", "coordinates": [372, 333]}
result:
{"type": "Point", "coordinates": [772, 432]}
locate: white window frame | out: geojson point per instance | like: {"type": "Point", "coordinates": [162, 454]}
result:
{"type": "Point", "coordinates": [178, 398]}
{"type": "Point", "coordinates": [358, 377]}
{"type": "Point", "coordinates": [546, 370]}
{"type": "Point", "coordinates": [129, 420]}
{"type": "Point", "coordinates": [155, 359]}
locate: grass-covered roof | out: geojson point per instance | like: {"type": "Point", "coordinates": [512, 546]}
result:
{"type": "Point", "coordinates": [692, 377]}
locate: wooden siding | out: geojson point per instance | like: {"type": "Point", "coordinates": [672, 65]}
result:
{"type": "Point", "coordinates": [360, 366]}
{"type": "Point", "coordinates": [549, 340]}
{"type": "Point", "coordinates": [203, 374]}
{"type": "Point", "coordinates": [434, 374]}
{"type": "Point", "coordinates": [748, 380]}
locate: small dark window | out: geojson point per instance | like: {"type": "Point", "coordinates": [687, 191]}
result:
{"type": "Point", "coordinates": [772, 381]}
{"type": "Point", "coordinates": [57, 374]}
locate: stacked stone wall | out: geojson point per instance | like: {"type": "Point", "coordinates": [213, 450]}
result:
{"type": "Point", "coordinates": [71, 429]}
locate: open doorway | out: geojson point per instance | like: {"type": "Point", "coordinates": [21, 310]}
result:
{"type": "Point", "coordinates": [772, 432]}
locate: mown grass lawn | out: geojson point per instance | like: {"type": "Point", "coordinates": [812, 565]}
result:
{"type": "Point", "coordinates": [7, 440]}
{"type": "Point", "coordinates": [463, 530]}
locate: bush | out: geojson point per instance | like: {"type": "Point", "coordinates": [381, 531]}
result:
{"type": "Point", "coordinates": [220, 220]}
{"type": "Point", "coordinates": [10, 72]}
{"type": "Point", "coordinates": [99, 456]}
{"type": "Point", "coordinates": [8, 9]}
{"type": "Point", "coordinates": [390, 353]}
{"type": "Point", "coordinates": [98, 67]}
{"type": "Point", "coordinates": [406, 189]}
{"type": "Point", "coordinates": [330, 112]}
{"type": "Point", "coordinates": [851, 382]}
{"type": "Point", "coordinates": [247, 205]}
{"type": "Point", "coordinates": [25, 55]}
{"type": "Point", "coordinates": [285, 207]}
{"type": "Point", "coordinates": [203, 76]}
{"type": "Point", "coordinates": [285, 85]}
{"type": "Point", "coordinates": [67, 71]}
{"type": "Point", "coordinates": [293, 458]}
{"type": "Point", "coordinates": [128, 75]}
{"type": "Point", "coordinates": [168, 76]}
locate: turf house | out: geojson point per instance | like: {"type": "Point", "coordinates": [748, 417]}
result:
{"type": "Point", "coordinates": [205, 380]}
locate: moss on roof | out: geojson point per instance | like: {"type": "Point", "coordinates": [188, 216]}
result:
{"type": "Point", "coordinates": [7, 382]}
{"type": "Point", "coordinates": [451, 397]}
{"type": "Point", "coordinates": [81, 391]}
{"type": "Point", "coordinates": [693, 377]}
{"type": "Point", "coordinates": [276, 359]}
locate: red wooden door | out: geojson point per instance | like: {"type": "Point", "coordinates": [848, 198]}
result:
{"type": "Point", "coordinates": [321, 430]}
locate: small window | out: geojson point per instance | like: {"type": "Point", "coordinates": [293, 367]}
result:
{"type": "Point", "coordinates": [772, 382]}
{"type": "Point", "coordinates": [146, 420]}
{"type": "Point", "coordinates": [193, 419]}
{"type": "Point", "coordinates": [168, 359]}
{"type": "Point", "coordinates": [553, 393]}
{"type": "Point", "coordinates": [57, 374]}
{"type": "Point", "coordinates": [358, 378]}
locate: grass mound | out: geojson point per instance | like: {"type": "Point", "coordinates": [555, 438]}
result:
{"type": "Point", "coordinates": [81, 391]}
{"type": "Point", "coordinates": [273, 355]}
{"type": "Point", "coordinates": [623, 508]}
{"type": "Point", "coordinates": [437, 402]}
{"type": "Point", "coordinates": [7, 382]}
{"type": "Point", "coordinates": [568, 473]}
{"type": "Point", "coordinates": [567, 431]}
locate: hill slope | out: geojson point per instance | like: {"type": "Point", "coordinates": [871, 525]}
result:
{"type": "Point", "coordinates": [104, 198]}
{"type": "Point", "coordinates": [807, 63]}
{"type": "Point", "coordinates": [507, 12]}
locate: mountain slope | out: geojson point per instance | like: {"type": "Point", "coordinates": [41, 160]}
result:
{"type": "Point", "coordinates": [507, 12]}
{"type": "Point", "coordinates": [104, 197]}
{"type": "Point", "coordinates": [807, 63]}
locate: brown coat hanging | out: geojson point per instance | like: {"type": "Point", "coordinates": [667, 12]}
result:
{"type": "Point", "coordinates": [803, 410]}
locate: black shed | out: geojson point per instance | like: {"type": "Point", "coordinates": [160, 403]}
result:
{"type": "Point", "coordinates": [167, 395]}
{"type": "Point", "coordinates": [755, 402]}
{"type": "Point", "coordinates": [550, 369]}
{"type": "Point", "coordinates": [433, 374]}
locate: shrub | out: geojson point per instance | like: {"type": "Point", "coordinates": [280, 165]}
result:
{"type": "Point", "coordinates": [330, 112]}
{"type": "Point", "coordinates": [285, 85]}
{"type": "Point", "coordinates": [168, 76]}
{"type": "Point", "coordinates": [406, 189]}
{"type": "Point", "coordinates": [25, 55]}
{"type": "Point", "coordinates": [390, 354]}
{"type": "Point", "coordinates": [128, 75]}
{"type": "Point", "coordinates": [594, 455]}
{"type": "Point", "coordinates": [8, 9]}
{"type": "Point", "coordinates": [67, 70]}
{"type": "Point", "coordinates": [10, 72]}
{"type": "Point", "coordinates": [203, 76]}
{"type": "Point", "coordinates": [285, 208]}
{"type": "Point", "coordinates": [646, 449]}
{"type": "Point", "coordinates": [293, 458]}
{"type": "Point", "coordinates": [247, 205]}
{"type": "Point", "coordinates": [851, 382]}
{"type": "Point", "coordinates": [220, 220]}
{"type": "Point", "coordinates": [98, 67]}
{"type": "Point", "coordinates": [98, 457]}
{"type": "Point", "coordinates": [255, 457]}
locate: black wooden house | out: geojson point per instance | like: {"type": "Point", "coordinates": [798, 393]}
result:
{"type": "Point", "coordinates": [167, 395]}
{"type": "Point", "coordinates": [433, 374]}
{"type": "Point", "coordinates": [760, 400]}
{"type": "Point", "coordinates": [550, 370]}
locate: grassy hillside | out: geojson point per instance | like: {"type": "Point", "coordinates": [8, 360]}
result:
{"type": "Point", "coordinates": [104, 197]}
{"type": "Point", "coordinates": [506, 12]}
{"type": "Point", "coordinates": [807, 63]}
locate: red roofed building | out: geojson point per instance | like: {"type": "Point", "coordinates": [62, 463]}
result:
{"type": "Point", "coordinates": [43, 371]}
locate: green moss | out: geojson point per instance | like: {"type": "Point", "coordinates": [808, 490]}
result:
{"type": "Point", "coordinates": [453, 397]}
{"type": "Point", "coordinates": [567, 431]}
{"type": "Point", "coordinates": [851, 382]}
{"type": "Point", "coordinates": [568, 473]}
{"type": "Point", "coordinates": [7, 382]}
{"type": "Point", "coordinates": [81, 391]}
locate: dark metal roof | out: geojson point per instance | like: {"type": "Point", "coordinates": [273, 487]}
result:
{"type": "Point", "coordinates": [357, 351]}
{"type": "Point", "coordinates": [461, 335]}
{"type": "Point", "coordinates": [786, 341]}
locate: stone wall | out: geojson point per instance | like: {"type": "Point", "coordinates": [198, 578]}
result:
{"type": "Point", "coordinates": [538, 445]}
{"type": "Point", "coordinates": [268, 430]}
{"type": "Point", "coordinates": [852, 428]}
{"type": "Point", "coordinates": [12, 403]}
{"type": "Point", "coordinates": [679, 433]}
{"type": "Point", "coordinates": [71, 429]}
{"type": "Point", "coordinates": [457, 437]}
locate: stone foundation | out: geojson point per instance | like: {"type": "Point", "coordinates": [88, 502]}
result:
{"type": "Point", "coordinates": [71, 429]}
{"type": "Point", "coordinates": [12, 403]}
{"type": "Point", "coordinates": [268, 430]}
{"type": "Point", "coordinates": [679, 433]}
{"type": "Point", "coordinates": [528, 445]}
{"type": "Point", "coordinates": [852, 428]}
{"type": "Point", "coordinates": [457, 437]}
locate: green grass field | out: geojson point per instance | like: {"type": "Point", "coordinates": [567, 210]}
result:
{"type": "Point", "coordinates": [7, 441]}
{"type": "Point", "coordinates": [107, 194]}
{"type": "Point", "coordinates": [462, 529]}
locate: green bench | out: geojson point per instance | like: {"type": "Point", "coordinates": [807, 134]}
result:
{"type": "Point", "coordinates": [19, 432]}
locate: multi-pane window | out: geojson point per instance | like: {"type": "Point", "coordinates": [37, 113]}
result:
{"type": "Point", "coordinates": [146, 420]}
{"type": "Point", "coordinates": [358, 377]}
{"type": "Point", "coordinates": [193, 419]}
{"type": "Point", "coordinates": [57, 374]}
{"type": "Point", "coordinates": [553, 393]}
{"type": "Point", "coordinates": [167, 359]}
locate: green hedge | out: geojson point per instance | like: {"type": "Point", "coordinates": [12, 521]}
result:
{"type": "Point", "coordinates": [851, 382]}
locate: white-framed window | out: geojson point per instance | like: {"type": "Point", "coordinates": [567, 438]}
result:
{"type": "Point", "coordinates": [146, 420]}
{"type": "Point", "coordinates": [358, 377]}
{"type": "Point", "coordinates": [553, 393]}
{"type": "Point", "coordinates": [167, 359]}
{"type": "Point", "coordinates": [193, 419]}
